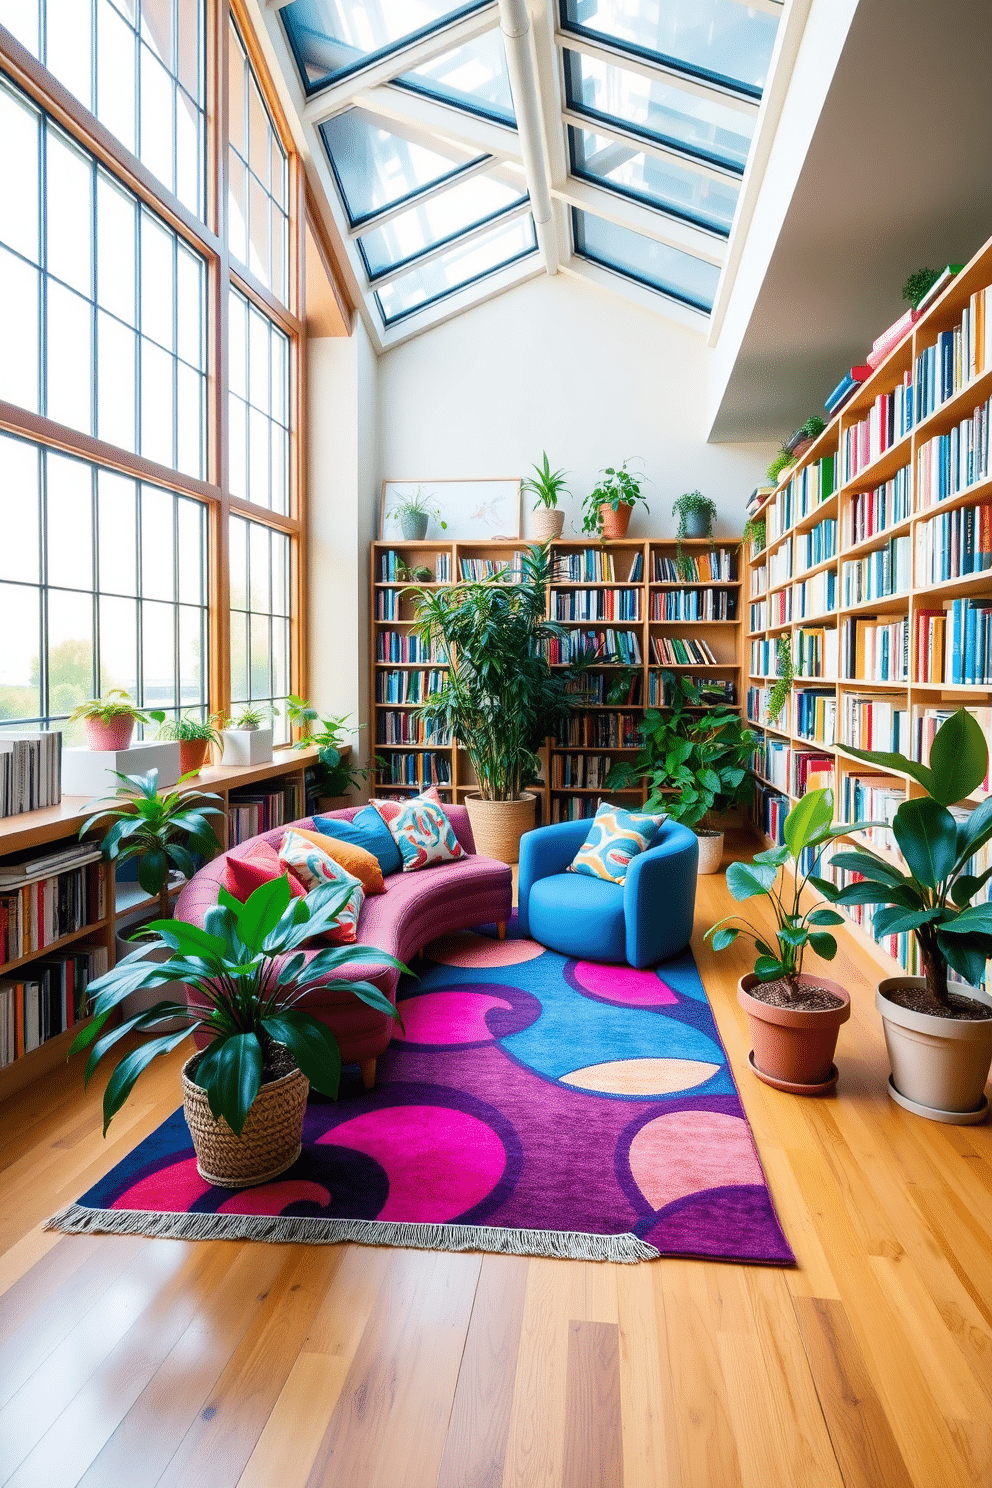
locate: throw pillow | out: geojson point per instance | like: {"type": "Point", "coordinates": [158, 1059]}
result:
{"type": "Point", "coordinates": [315, 868]}
{"type": "Point", "coordinates": [242, 876]}
{"type": "Point", "coordinates": [421, 831]}
{"type": "Point", "coordinates": [367, 830]}
{"type": "Point", "coordinates": [614, 839]}
{"type": "Point", "coordinates": [360, 863]}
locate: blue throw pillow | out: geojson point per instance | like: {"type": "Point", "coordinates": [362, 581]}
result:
{"type": "Point", "coordinates": [368, 830]}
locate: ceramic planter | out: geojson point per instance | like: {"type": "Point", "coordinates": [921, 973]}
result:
{"type": "Point", "coordinates": [710, 850]}
{"type": "Point", "coordinates": [109, 734]}
{"type": "Point", "coordinates": [247, 746]}
{"type": "Point", "coordinates": [270, 1143]}
{"type": "Point", "coordinates": [793, 1048]}
{"type": "Point", "coordinates": [546, 523]}
{"type": "Point", "coordinates": [88, 772]}
{"type": "Point", "coordinates": [614, 524]}
{"type": "Point", "coordinates": [192, 755]}
{"type": "Point", "coordinates": [696, 524]}
{"type": "Point", "coordinates": [498, 826]}
{"type": "Point", "coordinates": [939, 1065]}
{"type": "Point", "coordinates": [413, 525]}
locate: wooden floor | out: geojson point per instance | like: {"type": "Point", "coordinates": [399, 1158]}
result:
{"type": "Point", "coordinates": [128, 1362]}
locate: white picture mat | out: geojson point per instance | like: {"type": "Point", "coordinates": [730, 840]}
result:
{"type": "Point", "coordinates": [475, 510]}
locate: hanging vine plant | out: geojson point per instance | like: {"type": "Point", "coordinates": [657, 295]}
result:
{"type": "Point", "coordinates": [779, 694]}
{"type": "Point", "coordinates": [754, 533]}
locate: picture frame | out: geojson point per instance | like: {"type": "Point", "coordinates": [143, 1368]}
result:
{"type": "Point", "coordinates": [473, 510]}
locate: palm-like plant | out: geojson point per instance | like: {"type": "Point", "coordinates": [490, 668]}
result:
{"type": "Point", "coordinates": [546, 484]}
{"type": "Point", "coordinates": [247, 966]}
{"type": "Point", "coordinates": [157, 830]}
{"type": "Point", "coordinates": [500, 698]}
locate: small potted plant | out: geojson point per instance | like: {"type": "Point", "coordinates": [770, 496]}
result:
{"type": "Point", "coordinates": [782, 462]}
{"type": "Point", "coordinates": [246, 741]}
{"type": "Point", "coordinates": [334, 775]}
{"type": "Point", "coordinates": [245, 1091]}
{"type": "Point", "coordinates": [754, 534]}
{"type": "Point", "coordinates": [608, 506]}
{"type": "Point", "coordinates": [548, 486]}
{"type": "Point", "coordinates": [194, 737]}
{"type": "Point", "coordinates": [794, 1016]}
{"type": "Point", "coordinates": [696, 514]}
{"type": "Point", "coordinates": [108, 722]}
{"type": "Point", "coordinates": [414, 513]}
{"type": "Point", "coordinates": [939, 1035]}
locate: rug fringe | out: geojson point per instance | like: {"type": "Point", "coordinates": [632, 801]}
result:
{"type": "Point", "coordinates": [289, 1229]}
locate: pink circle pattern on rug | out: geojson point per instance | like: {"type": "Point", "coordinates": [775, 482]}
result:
{"type": "Point", "coordinates": [439, 1162]}
{"type": "Point", "coordinates": [447, 1017]}
{"type": "Point", "coordinates": [622, 984]}
{"type": "Point", "coordinates": [175, 1188]}
{"type": "Point", "coordinates": [688, 1152]}
{"type": "Point", "coordinates": [465, 948]}
{"type": "Point", "coordinates": [273, 1198]}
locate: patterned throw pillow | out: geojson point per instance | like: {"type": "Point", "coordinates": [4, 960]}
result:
{"type": "Point", "coordinates": [242, 876]}
{"type": "Point", "coordinates": [314, 868]}
{"type": "Point", "coordinates": [421, 831]}
{"type": "Point", "coordinates": [614, 839]}
{"type": "Point", "coordinates": [360, 863]}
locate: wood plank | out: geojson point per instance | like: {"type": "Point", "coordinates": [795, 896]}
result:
{"type": "Point", "coordinates": [555, 1296]}
{"type": "Point", "coordinates": [593, 1447]}
{"type": "Point", "coordinates": [285, 1451]}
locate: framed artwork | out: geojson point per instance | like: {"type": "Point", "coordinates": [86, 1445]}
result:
{"type": "Point", "coordinates": [471, 510]}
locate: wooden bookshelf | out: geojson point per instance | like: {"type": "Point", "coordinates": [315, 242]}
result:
{"type": "Point", "coordinates": [775, 575]}
{"type": "Point", "coordinates": [723, 638]}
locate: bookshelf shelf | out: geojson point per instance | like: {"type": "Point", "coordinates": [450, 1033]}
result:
{"type": "Point", "coordinates": [87, 931]}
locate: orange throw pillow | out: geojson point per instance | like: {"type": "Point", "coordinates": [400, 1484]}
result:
{"type": "Point", "coordinates": [355, 860]}
{"type": "Point", "coordinates": [242, 876]}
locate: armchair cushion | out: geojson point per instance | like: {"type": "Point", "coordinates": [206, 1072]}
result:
{"type": "Point", "coordinates": [579, 916]}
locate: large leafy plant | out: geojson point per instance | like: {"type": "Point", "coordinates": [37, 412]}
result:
{"type": "Point", "coordinates": [808, 830]}
{"type": "Point", "coordinates": [935, 899]}
{"type": "Point", "coordinates": [694, 757]}
{"type": "Point", "coordinates": [248, 966]}
{"type": "Point", "coordinates": [500, 697]}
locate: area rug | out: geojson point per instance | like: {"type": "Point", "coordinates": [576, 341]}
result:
{"type": "Point", "coordinates": [535, 1105]}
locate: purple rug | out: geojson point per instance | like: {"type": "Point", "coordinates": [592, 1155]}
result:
{"type": "Point", "coordinates": [537, 1105]}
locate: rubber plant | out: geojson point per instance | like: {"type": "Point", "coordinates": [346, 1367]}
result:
{"type": "Point", "coordinates": [248, 967]}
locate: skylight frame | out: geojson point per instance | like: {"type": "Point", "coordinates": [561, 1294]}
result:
{"type": "Point", "coordinates": [461, 105]}
{"type": "Point", "coordinates": [465, 235]}
{"type": "Point", "coordinates": [390, 322]}
{"type": "Point", "coordinates": [628, 275]}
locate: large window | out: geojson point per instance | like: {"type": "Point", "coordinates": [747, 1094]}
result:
{"type": "Point", "coordinates": [258, 187]}
{"type": "Point", "coordinates": [260, 618]}
{"type": "Point", "coordinates": [258, 359]}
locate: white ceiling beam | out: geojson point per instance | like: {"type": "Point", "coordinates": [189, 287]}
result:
{"type": "Point", "coordinates": [485, 167]}
{"type": "Point", "coordinates": [644, 220]}
{"type": "Point", "coordinates": [460, 151]}
{"type": "Point", "coordinates": [479, 231]}
{"type": "Point", "coordinates": [439, 119]}
{"type": "Point", "coordinates": [335, 97]}
{"type": "Point", "coordinates": [667, 154]}
{"type": "Point", "coordinates": [656, 72]}
{"type": "Point", "coordinates": [615, 283]}
{"type": "Point", "coordinates": [767, 7]}
{"type": "Point", "coordinates": [521, 63]}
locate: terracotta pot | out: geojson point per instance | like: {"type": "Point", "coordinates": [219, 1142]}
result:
{"type": "Point", "coordinates": [939, 1065]}
{"type": "Point", "coordinates": [710, 850]}
{"type": "Point", "coordinates": [614, 523]}
{"type": "Point", "coordinates": [802, 447]}
{"type": "Point", "coordinates": [192, 755]}
{"type": "Point", "coordinates": [270, 1143]}
{"type": "Point", "coordinates": [498, 826]}
{"type": "Point", "coordinates": [793, 1049]}
{"type": "Point", "coordinates": [546, 523]}
{"type": "Point", "coordinates": [109, 736]}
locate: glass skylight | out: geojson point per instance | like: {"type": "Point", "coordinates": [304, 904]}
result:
{"type": "Point", "coordinates": [376, 168]}
{"type": "Point", "coordinates": [658, 109]}
{"type": "Point", "coordinates": [721, 40]}
{"type": "Point", "coordinates": [472, 77]}
{"type": "Point", "coordinates": [462, 264]}
{"type": "Point", "coordinates": [462, 206]}
{"type": "Point", "coordinates": [675, 273]}
{"type": "Point", "coordinates": [331, 38]}
{"type": "Point", "coordinates": [660, 183]}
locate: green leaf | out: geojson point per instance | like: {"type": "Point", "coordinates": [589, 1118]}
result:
{"type": "Point", "coordinates": [744, 880]}
{"type": "Point", "coordinates": [262, 911]}
{"type": "Point", "coordinates": [975, 831]}
{"type": "Point", "coordinates": [230, 1072]}
{"type": "Point", "coordinates": [768, 968]}
{"type": "Point", "coordinates": [122, 1081]}
{"type": "Point", "coordinates": [824, 945]}
{"type": "Point", "coordinates": [825, 917]}
{"type": "Point", "coordinates": [959, 758]}
{"type": "Point", "coordinates": [876, 893]}
{"type": "Point", "coordinates": [964, 955]}
{"type": "Point", "coordinates": [895, 919]}
{"type": "Point", "coordinates": [312, 1045]}
{"type": "Point", "coordinates": [859, 860]}
{"type": "Point", "coordinates": [153, 871]}
{"type": "Point", "coordinates": [967, 886]}
{"type": "Point", "coordinates": [793, 935]}
{"type": "Point", "coordinates": [898, 762]}
{"type": "Point", "coordinates": [927, 834]}
{"type": "Point", "coordinates": [723, 938]}
{"type": "Point", "coordinates": [975, 920]}
{"type": "Point", "coordinates": [776, 856]}
{"type": "Point", "coordinates": [810, 815]}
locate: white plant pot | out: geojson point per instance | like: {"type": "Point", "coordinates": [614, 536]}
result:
{"type": "Point", "coordinates": [939, 1065]}
{"type": "Point", "coordinates": [247, 746]}
{"type": "Point", "coordinates": [88, 772]}
{"type": "Point", "coordinates": [710, 851]}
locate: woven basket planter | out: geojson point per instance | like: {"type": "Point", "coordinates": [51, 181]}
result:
{"type": "Point", "coordinates": [546, 523]}
{"type": "Point", "coordinates": [269, 1144]}
{"type": "Point", "coordinates": [498, 826]}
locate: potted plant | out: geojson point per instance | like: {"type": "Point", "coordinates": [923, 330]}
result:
{"type": "Point", "coordinates": [500, 698]}
{"type": "Point", "coordinates": [754, 533]}
{"type": "Point", "coordinates": [939, 1036]}
{"type": "Point", "coordinates": [805, 436]}
{"type": "Point", "coordinates": [414, 513]}
{"type": "Point", "coordinates": [334, 776]}
{"type": "Point", "coordinates": [608, 506]}
{"type": "Point", "coordinates": [245, 739]}
{"type": "Point", "coordinates": [695, 760]}
{"type": "Point", "coordinates": [794, 1016]}
{"type": "Point", "coordinates": [696, 514]}
{"type": "Point", "coordinates": [547, 485]}
{"type": "Point", "coordinates": [194, 737]}
{"type": "Point", "coordinates": [108, 722]}
{"type": "Point", "coordinates": [245, 1092]}
{"type": "Point", "coordinates": [782, 462]}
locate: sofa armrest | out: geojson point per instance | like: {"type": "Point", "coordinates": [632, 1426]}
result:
{"type": "Point", "coordinates": [545, 851]}
{"type": "Point", "coordinates": [660, 896]}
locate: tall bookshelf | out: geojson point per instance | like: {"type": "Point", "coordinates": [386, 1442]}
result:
{"type": "Point", "coordinates": [879, 657]}
{"type": "Point", "coordinates": [592, 593]}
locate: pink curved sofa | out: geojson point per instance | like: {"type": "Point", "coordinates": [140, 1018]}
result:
{"type": "Point", "coordinates": [416, 908]}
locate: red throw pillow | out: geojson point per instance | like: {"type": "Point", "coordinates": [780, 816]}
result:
{"type": "Point", "coordinates": [242, 876]}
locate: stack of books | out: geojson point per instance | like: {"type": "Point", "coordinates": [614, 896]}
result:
{"type": "Point", "coordinates": [50, 998]}
{"type": "Point", "coordinates": [254, 812]}
{"type": "Point", "coordinates": [45, 897]}
{"type": "Point", "coordinates": [811, 772]}
{"type": "Point", "coordinates": [815, 652]}
{"type": "Point", "coordinates": [952, 462]}
{"type": "Point", "coordinates": [875, 650]}
{"type": "Point", "coordinates": [954, 543]}
{"type": "Point", "coordinates": [845, 388]}
{"type": "Point", "coordinates": [890, 419]}
{"type": "Point", "coordinates": [30, 771]}
{"type": "Point", "coordinates": [408, 728]}
{"type": "Point", "coordinates": [874, 723]}
{"type": "Point", "coordinates": [870, 513]}
{"type": "Point", "coordinates": [681, 651]}
{"type": "Point", "coordinates": [818, 544]}
{"type": "Point", "coordinates": [883, 572]}
{"type": "Point", "coordinates": [816, 714]}
{"type": "Point", "coordinates": [592, 564]}
{"type": "Point", "coordinates": [715, 566]}
{"type": "Point", "coordinates": [967, 635]}
{"type": "Point", "coordinates": [693, 604]}
{"type": "Point", "coordinates": [414, 769]}
{"type": "Point", "coordinates": [596, 604]}
{"type": "Point", "coordinates": [407, 687]}
{"type": "Point", "coordinates": [612, 647]}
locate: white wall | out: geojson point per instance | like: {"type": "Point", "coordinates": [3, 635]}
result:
{"type": "Point", "coordinates": [562, 365]}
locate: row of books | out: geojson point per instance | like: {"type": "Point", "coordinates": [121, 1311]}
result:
{"type": "Point", "coordinates": [818, 544]}
{"type": "Point", "coordinates": [716, 565]}
{"type": "Point", "coordinates": [395, 645]}
{"type": "Point", "coordinates": [759, 579]}
{"type": "Point", "coordinates": [889, 419]}
{"type": "Point", "coordinates": [764, 658]}
{"type": "Point", "coordinates": [870, 513]}
{"type": "Point", "coordinates": [779, 607]}
{"type": "Point", "coordinates": [681, 651]}
{"type": "Point", "coordinates": [780, 565]}
{"type": "Point", "coordinates": [874, 650]}
{"type": "Point", "coordinates": [771, 808]}
{"type": "Point", "coordinates": [874, 723]}
{"type": "Point", "coordinates": [944, 369]}
{"type": "Point", "coordinates": [811, 772]}
{"type": "Point", "coordinates": [954, 543]}
{"type": "Point", "coordinates": [387, 604]}
{"type": "Point", "coordinates": [408, 728]}
{"type": "Point", "coordinates": [816, 596]}
{"type": "Point", "coordinates": [48, 1000]}
{"type": "Point", "coordinates": [475, 569]}
{"type": "Point", "coordinates": [414, 769]}
{"type": "Point", "coordinates": [595, 564]}
{"type": "Point", "coordinates": [596, 604]}
{"type": "Point", "coordinates": [573, 808]}
{"type": "Point", "coordinates": [694, 604]}
{"type": "Point", "coordinates": [407, 687]}
{"type": "Point", "coordinates": [597, 691]}
{"type": "Point", "coordinates": [882, 572]}
{"type": "Point", "coordinates": [35, 912]}
{"type": "Point", "coordinates": [812, 485]}
{"type": "Point", "coordinates": [393, 568]}
{"type": "Point", "coordinates": [870, 798]}
{"type": "Point", "coordinates": [953, 462]}
{"type": "Point", "coordinates": [249, 814]}
{"type": "Point", "coordinates": [816, 714]}
{"type": "Point", "coordinates": [579, 771]}
{"type": "Point", "coordinates": [955, 645]}
{"type": "Point", "coordinates": [758, 616]}
{"type": "Point", "coordinates": [30, 771]}
{"type": "Point", "coordinates": [772, 759]}
{"type": "Point", "coordinates": [600, 730]}
{"type": "Point", "coordinates": [814, 652]}
{"type": "Point", "coordinates": [613, 647]}
{"type": "Point", "coordinates": [713, 691]}
{"type": "Point", "coordinates": [756, 703]}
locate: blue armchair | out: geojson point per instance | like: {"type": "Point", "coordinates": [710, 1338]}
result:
{"type": "Point", "coordinates": [644, 920]}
